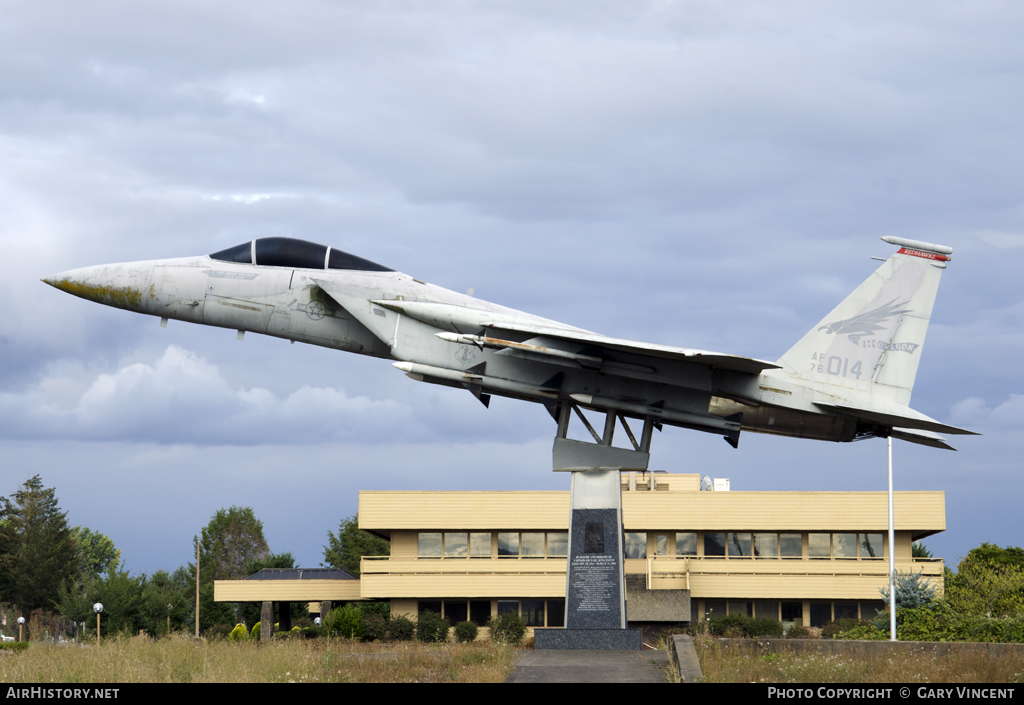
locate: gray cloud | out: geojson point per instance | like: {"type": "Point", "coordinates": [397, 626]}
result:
{"type": "Point", "coordinates": [693, 173]}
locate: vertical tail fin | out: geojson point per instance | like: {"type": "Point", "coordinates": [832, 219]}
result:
{"type": "Point", "coordinates": [872, 341]}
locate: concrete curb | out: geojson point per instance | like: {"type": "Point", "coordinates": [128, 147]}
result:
{"type": "Point", "coordinates": [684, 656]}
{"type": "Point", "coordinates": [851, 648]}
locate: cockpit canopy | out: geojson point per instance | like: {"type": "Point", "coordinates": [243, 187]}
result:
{"type": "Point", "coordinates": [297, 254]}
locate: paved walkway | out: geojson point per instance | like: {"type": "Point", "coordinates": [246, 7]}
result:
{"type": "Point", "coordinates": [590, 667]}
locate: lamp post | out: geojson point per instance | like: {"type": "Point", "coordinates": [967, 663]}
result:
{"type": "Point", "coordinates": [98, 607]}
{"type": "Point", "coordinates": [21, 629]}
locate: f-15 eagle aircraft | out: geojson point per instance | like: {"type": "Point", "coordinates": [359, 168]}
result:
{"type": "Point", "coordinates": [850, 377]}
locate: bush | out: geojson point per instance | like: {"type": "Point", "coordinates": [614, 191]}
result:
{"type": "Point", "coordinates": [837, 626]}
{"type": "Point", "coordinates": [941, 622]}
{"type": "Point", "coordinates": [507, 628]}
{"type": "Point", "coordinates": [257, 632]}
{"type": "Point", "coordinates": [401, 628]}
{"type": "Point", "coordinates": [912, 590]}
{"type": "Point", "coordinates": [239, 633]}
{"type": "Point", "coordinates": [14, 646]}
{"type": "Point", "coordinates": [432, 628]}
{"type": "Point", "coordinates": [375, 627]}
{"type": "Point", "coordinates": [738, 625]}
{"type": "Point", "coordinates": [798, 631]}
{"type": "Point", "coordinates": [344, 621]}
{"type": "Point", "coordinates": [864, 631]}
{"type": "Point", "coordinates": [465, 632]}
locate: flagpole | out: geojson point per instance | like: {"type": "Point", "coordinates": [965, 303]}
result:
{"type": "Point", "coordinates": [892, 556]}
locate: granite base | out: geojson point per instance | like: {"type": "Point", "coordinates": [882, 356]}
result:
{"type": "Point", "coordinates": [588, 639]}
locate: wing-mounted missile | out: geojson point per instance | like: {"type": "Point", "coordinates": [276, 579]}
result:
{"type": "Point", "coordinates": [528, 350]}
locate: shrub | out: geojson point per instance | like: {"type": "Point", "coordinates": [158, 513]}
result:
{"type": "Point", "coordinates": [738, 625]}
{"type": "Point", "coordinates": [465, 632]}
{"type": "Point", "coordinates": [14, 646]}
{"type": "Point", "coordinates": [239, 633]}
{"type": "Point", "coordinates": [832, 629]}
{"type": "Point", "coordinates": [344, 621]}
{"type": "Point", "coordinates": [507, 628]}
{"type": "Point", "coordinates": [798, 631]}
{"type": "Point", "coordinates": [375, 627]}
{"type": "Point", "coordinates": [432, 628]}
{"type": "Point", "coordinates": [864, 631]}
{"type": "Point", "coordinates": [257, 632]}
{"type": "Point", "coordinates": [401, 628]}
{"type": "Point", "coordinates": [912, 590]}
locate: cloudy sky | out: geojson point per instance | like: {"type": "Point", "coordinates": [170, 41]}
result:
{"type": "Point", "coordinates": [704, 174]}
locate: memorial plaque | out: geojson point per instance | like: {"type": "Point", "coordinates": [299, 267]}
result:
{"type": "Point", "coordinates": [595, 598]}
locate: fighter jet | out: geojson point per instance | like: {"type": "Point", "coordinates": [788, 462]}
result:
{"type": "Point", "coordinates": [849, 378]}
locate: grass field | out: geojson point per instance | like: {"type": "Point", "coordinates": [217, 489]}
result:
{"type": "Point", "coordinates": [181, 659]}
{"type": "Point", "coordinates": [732, 665]}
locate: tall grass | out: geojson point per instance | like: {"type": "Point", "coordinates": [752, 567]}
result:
{"type": "Point", "coordinates": [731, 664]}
{"type": "Point", "coordinates": [181, 659]}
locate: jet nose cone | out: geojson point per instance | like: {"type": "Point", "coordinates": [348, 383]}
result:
{"type": "Point", "coordinates": [118, 285]}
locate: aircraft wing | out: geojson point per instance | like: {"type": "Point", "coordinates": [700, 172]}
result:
{"type": "Point", "coordinates": [664, 352]}
{"type": "Point", "coordinates": [924, 438]}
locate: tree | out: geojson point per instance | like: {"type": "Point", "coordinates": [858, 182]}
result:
{"type": "Point", "coordinates": [37, 548]}
{"type": "Point", "coordinates": [122, 597]}
{"type": "Point", "coordinates": [918, 550]}
{"type": "Point", "coordinates": [912, 590]}
{"type": "Point", "coordinates": [162, 590]}
{"type": "Point", "coordinates": [232, 539]}
{"type": "Point", "coordinates": [351, 544]}
{"type": "Point", "coordinates": [989, 581]}
{"type": "Point", "coordinates": [97, 551]}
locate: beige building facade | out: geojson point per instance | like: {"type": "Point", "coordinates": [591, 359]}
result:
{"type": "Point", "coordinates": [802, 557]}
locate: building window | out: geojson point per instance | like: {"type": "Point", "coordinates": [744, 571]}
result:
{"type": "Point", "coordinates": [456, 545]}
{"type": "Point", "coordinates": [532, 545]}
{"type": "Point", "coordinates": [714, 544]}
{"type": "Point", "coordinates": [508, 544]}
{"type": "Point", "coordinates": [636, 545]}
{"type": "Point", "coordinates": [793, 612]}
{"type": "Point", "coordinates": [870, 546]}
{"type": "Point", "coordinates": [556, 613]}
{"type": "Point", "coordinates": [480, 545]}
{"type": "Point", "coordinates": [686, 543]}
{"type": "Point", "coordinates": [533, 613]}
{"type": "Point", "coordinates": [844, 545]}
{"type": "Point", "coordinates": [821, 613]}
{"type": "Point", "coordinates": [430, 546]}
{"type": "Point", "coordinates": [479, 612]}
{"type": "Point", "coordinates": [819, 545]}
{"type": "Point", "coordinates": [455, 611]}
{"type": "Point", "coordinates": [871, 609]}
{"type": "Point", "coordinates": [425, 606]}
{"type": "Point", "coordinates": [508, 606]}
{"type": "Point", "coordinates": [766, 609]}
{"type": "Point", "coordinates": [845, 610]}
{"type": "Point", "coordinates": [738, 545]}
{"type": "Point", "coordinates": [714, 608]}
{"type": "Point", "coordinates": [661, 545]}
{"type": "Point", "coordinates": [558, 543]}
{"type": "Point", "coordinates": [791, 546]}
{"type": "Point", "coordinates": [766, 545]}
{"type": "Point", "coordinates": [736, 607]}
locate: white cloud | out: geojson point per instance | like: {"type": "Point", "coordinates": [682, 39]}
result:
{"type": "Point", "coordinates": [182, 398]}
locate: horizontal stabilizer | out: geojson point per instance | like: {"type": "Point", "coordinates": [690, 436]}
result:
{"type": "Point", "coordinates": [925, 438]}
{"type": "Point", "coordinates": [906, 418]}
